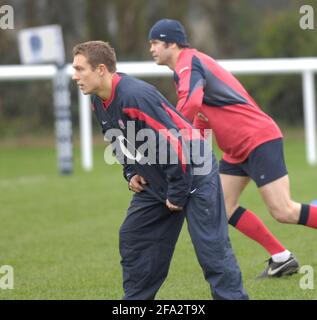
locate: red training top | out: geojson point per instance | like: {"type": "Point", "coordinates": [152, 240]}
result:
{"type": "Point", "coordinates": [211, 97]}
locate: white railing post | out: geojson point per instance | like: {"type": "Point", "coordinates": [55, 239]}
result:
{"type": "Point", "coordinates": [309, 115]}
{"type": "Point", "coordinates": [85, 127]}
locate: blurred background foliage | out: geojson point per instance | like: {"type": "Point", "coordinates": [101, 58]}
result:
{"type": "Point", "coordinates": [223, 29]}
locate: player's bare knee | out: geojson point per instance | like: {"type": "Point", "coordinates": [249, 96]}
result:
{"type": "Point", "coordinates": [282, 218]}
{"type": "Point", "coordinates": [283, 214]}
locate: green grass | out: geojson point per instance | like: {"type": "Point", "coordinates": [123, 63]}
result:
{"type": "Point", "coordinates": [60, 234]}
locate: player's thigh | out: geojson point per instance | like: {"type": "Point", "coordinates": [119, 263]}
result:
{"type": "Point", "coordinates": [233, 186]}
{"type": "Point", "coordinates": [205, 214]}
{"type": "Point", "coordinates": [276, 195]}
{"type": "Point", "coordinates": [233, 180]}
{"type": "Point", "coordinates": [149, 219]}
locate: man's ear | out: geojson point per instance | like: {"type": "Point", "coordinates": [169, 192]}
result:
{"type": "Point", "coordinates": [102, 68]}
{"type": "Point", "coordinates": [171, 45]}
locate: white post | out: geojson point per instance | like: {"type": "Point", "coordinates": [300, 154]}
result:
{"type": "Point", "coordinates": [309, 115]}
{"type": "Point", "coordinates": [85, 132]}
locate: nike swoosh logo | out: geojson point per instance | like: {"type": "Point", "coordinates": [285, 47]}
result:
{"type": "Point", "coordinates": [271, 272]}
{"type": "Point", "coordinates": [103, 122]}
{"type": "Point", "coordinates": [193, 191]}
{"type": "Point", "coordinates": [162, 35]}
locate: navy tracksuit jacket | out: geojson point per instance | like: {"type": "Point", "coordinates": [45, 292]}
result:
{"type": "Point", "coordinates": [150, 231]}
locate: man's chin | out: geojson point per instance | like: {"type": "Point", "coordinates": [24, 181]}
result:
{"type": "Point", "coordinates": [84, 92]}
{"type": "Point", "coordinates": [158, 62]}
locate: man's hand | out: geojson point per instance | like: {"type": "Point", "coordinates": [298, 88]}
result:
{"type": "Point", "coordinates": [173, 207]}
{"type": "Point", "coordinates": [136, 183]}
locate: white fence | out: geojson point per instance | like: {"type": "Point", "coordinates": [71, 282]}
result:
{"type": "Point", "coordinates": [304, 66]}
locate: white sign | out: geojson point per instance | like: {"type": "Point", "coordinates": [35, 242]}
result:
{"type": "Point", "coordinates": [42, 45]}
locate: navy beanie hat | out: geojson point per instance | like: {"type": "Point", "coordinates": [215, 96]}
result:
{"type": "Point", "coordinates": [169, 31]}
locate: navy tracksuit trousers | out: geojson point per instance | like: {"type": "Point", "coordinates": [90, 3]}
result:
{"type": "Point", "coordinates": [149, 234]}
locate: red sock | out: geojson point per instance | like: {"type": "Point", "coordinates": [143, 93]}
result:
{"type": "Point", "coordinates": [253, 227]}
{"type": "Point", "coordinates": [308, 216]}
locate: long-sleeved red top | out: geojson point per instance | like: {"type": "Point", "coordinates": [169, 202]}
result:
{"type": "Point", "coordinates": [237, 122]}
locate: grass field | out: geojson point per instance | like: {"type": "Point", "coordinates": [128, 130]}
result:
{"type": "Point", "coordinates": [60, 234]}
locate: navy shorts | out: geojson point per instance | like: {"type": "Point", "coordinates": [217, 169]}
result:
{"type": "Point", "coordinates": [265, 164]}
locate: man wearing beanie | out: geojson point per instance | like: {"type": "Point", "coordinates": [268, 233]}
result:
{"type": "Point", "coordinates": [252, 143]}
